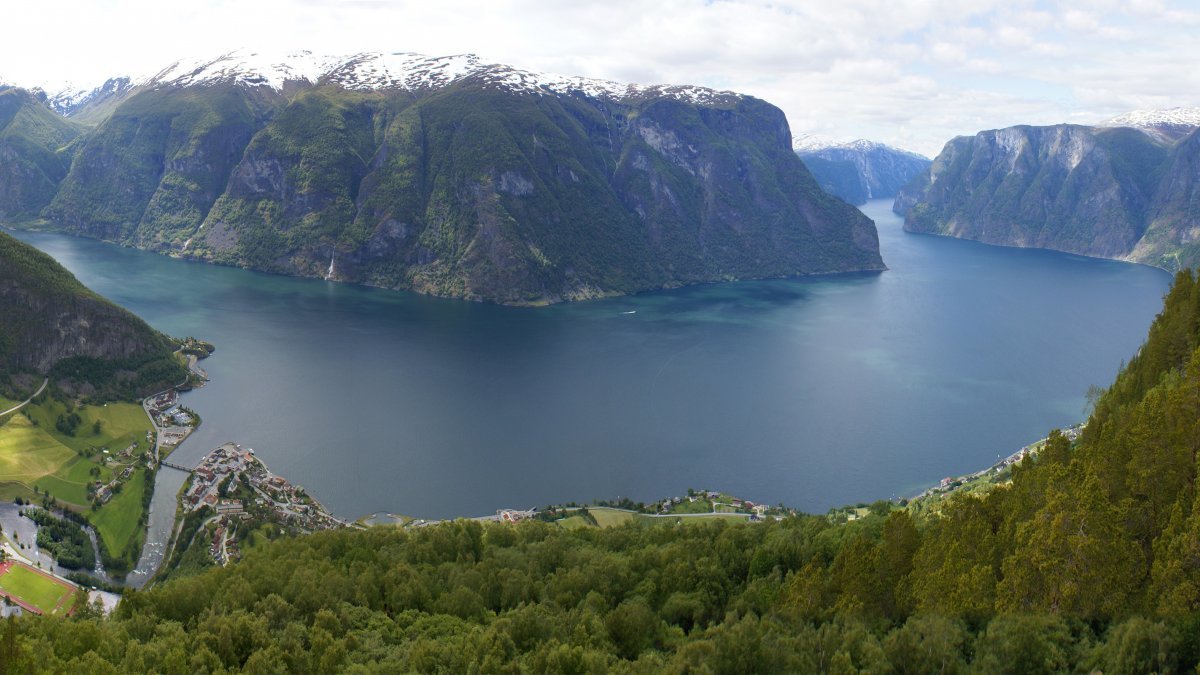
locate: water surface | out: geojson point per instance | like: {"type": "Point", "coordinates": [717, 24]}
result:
{"type": "Point", "coordinates": [811, 392]}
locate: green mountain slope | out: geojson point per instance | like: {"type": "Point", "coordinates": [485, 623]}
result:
{"type": "Point", "coordinates": [35, 154]}
{"type": "Point", "coordinates": [52, 325]}
{"type": "Point", "coordinates": [1107, 192]}
{"type": "Point", "coordinates": [150, 172]}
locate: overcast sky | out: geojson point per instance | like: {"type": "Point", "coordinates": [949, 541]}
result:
{"type": "Point", "coordinates": [912, 74]}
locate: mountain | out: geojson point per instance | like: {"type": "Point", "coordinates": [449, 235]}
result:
{"type": "Point", "coordinates": [1125, 190]}
{"type": "Point", "coordinates": [455, 177]}
{"type": "Point", "coordinates": [35, 154]}
{"type": "Point", "coordinates": [90, 105]}
{"type": "Point", "coordinates": [858, 170]}
{"type": "Point", "coordinates": [53, 325]}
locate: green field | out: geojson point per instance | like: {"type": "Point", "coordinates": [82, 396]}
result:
{"type": "Point", "coordinates": [37, 590]}
{"type": "Point", "coordinates": [574, 523]}
{"type": "Point", "coordinates": [606, 517]}
{"type": "Point", "coordinates": [117, 522]}
{"type": "Point", "coordinates": [28, 452]}
{"type": "Point", "coordinates": [121, 425]}
{"type": "Point", "coordinates": [34, 454]}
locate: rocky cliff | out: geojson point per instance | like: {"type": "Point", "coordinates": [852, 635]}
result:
{"type": "Point", "coordinates": [1114, 192]}
{"type": "Point", "coordinates": [859, 170]}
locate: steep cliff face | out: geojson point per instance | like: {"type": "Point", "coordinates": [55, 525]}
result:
{"type": "Point", "coordinates": [53, 325]}
{"type": "Point", "coordinates": [861, 169]}
{"type": "Point", "coordinates": [457, 178]}
{"type": "Point", "coordinates": [34, 154]}
{"type": "Point", "coordinates": [1173, 229]}
{"type": "Point", "coordinates": [151, 171]}
{"type": "Point", "coordinates": [1107, 192]}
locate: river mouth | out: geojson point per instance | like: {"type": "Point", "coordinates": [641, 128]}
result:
{"type": "Point", "coordinates": [814, 392]}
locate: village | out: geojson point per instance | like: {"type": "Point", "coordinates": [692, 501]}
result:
{"type": "Point", "coordinates": [951, 483]}
{"type": "Point", "coordinates": [236, 487]}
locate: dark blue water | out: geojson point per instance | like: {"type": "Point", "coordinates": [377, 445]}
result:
{"type": "Point", "coordinates": [814, 393]}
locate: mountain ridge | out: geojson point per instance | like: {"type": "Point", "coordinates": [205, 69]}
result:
{"type": "Point", "coordinates": [1119, 191]}
{"type": "Point", "coordinates": [858, 170]}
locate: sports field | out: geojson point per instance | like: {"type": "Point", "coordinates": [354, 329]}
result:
{"type": "Point", "coordinates": [35, 590]}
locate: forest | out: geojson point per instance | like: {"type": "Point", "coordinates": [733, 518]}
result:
{"type": "Point", "coordinates": [1088, 560]}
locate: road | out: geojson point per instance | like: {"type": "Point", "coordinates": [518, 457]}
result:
{"type": "Point", "coordinates": [28, 400]}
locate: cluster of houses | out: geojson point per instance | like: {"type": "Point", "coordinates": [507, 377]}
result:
{"type": "Point", "coordinates": [713, 499]}
{"type": "Point", "coordinates": [166, 411]}
{"type": "Point", "coordinates": [228, 461]}
{"type": "Point", "coordinates": [103, 492]}
{"type": "Point", "coordinates": [514, 516]}
{"type": "Point", "coordinates": [233, 470]}
{"type": "Point", "coordinates": [951, 483]}
{"type": "Point", "coordinates": [171, 420]}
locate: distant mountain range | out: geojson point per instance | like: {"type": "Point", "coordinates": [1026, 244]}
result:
{"type": "Point", "coordinates": [858, 170]}
{"type": "Point", "coordinates": [445, 175]}
{"type": "Point", "coordinates": [1128, 188]}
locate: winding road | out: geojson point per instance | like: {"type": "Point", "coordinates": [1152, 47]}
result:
{"type": "Point", "coordinates": [28, 400]}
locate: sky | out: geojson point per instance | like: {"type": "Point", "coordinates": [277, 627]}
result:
{"type": "Point", "coordinates": [911, 74]}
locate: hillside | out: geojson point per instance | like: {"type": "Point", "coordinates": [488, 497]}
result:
{"type": "Point", "coordinates": [1084, 562]}
{"type": "Point", "coordinates": [859, 170]}
{"type": "Point", "coordinates": [35, 154]}
{"type": "Point", "coordinates": [1126, 190]}
{"type": "Point", "coordinates": [55, 326]}
{"type": "Point", "coordinates": [452, 177]}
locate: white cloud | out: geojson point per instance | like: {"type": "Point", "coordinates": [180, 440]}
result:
{"type": "Point", "coordinates": [910, 73]}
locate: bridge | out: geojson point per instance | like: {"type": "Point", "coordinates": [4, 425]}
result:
{"type": "Point", "coordinates": [177, 467]}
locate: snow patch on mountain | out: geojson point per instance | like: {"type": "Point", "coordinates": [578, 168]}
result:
{"type": "Point", "coordinates": [803, 142]}
{"type": "Point", "coordinates": [371, 71]}
{"type": "Point", "coordinates": [808, 144]}
{"type": "Point", "coordinates": [245, 67]}
{"type": "Point", "coordinates": [70, 98]}
{"type": "Point", "coordinates": [1142, 119]}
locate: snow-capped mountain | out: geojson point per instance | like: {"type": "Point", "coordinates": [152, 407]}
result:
{"type": "Point", "coordinates": [1167, 124]}
{"type": "Point", "coordinates": [72, 99]}
{"type": "Point", "coordinates": [814, 143]}
{"type": "Point", "coordinates": [857, 170]}
{"type": "Point", "coordinates": [398, 70]}
{"type": "Point", "coordinates": [804, 142]}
